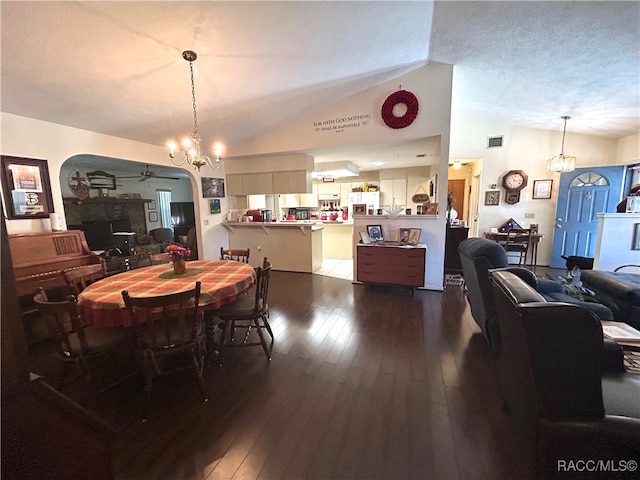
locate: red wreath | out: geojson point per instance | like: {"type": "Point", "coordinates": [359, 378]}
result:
{"type": "Point", "coordinates": [401, 96]}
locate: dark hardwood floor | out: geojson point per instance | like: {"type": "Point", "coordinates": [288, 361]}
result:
{"type": "Point", "coordinates": [364, 384]}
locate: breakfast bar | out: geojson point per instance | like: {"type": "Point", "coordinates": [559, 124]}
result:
{"type": "Point", "coordinates": [290, 246]}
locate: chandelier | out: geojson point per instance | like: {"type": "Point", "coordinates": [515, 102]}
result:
{"type": "Point", "coordinates": [192, 154]}
{"type": "Point", "coordinates": [562, 163]}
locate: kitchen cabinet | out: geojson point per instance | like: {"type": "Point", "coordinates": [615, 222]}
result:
{"type": "Point", "coordinates": [294, 181]}
{"type": "Point", "coordinates": [391, 265]}
{"type": "Point", "coordinates": [234, 184]}
{"type": "Point", "coordinates": [289, 200]}
{"type": "Point", "coordinates": [393, 191]}
{"type": "Point", "coordinates": [256, 202]}
{"type": "Point", "coordinates": [295, 200]}
{"type": "Point", "coordinates": [345, 190]}
{"type": "Point", "coordinates": [249, 183]}
{"type": "Point", "coordinates": [330, 189]}
{"type": "Point", "coordinates": [254, 183]}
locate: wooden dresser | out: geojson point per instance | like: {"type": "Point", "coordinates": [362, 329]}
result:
{"type": "Point", "coordinates": [391, 265]}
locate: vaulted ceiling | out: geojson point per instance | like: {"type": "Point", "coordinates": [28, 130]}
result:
{"type": "Point", "coordinates": [116, 67]}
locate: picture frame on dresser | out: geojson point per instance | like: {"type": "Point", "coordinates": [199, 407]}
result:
{"type": "Point", "coordinates": [26, 188]}
{"type": "Point", "coordinates": [414, 236]}
{"type": "Point", "coordinates": [375, 233]}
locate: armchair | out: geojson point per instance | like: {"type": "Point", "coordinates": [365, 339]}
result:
{"type": "Point", "coordinates": [478, 256]}
{"type": "Point", "coordinates": [552, 379]}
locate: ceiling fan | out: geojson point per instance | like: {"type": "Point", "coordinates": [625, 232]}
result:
{"type": "Point", "coordinates": [147, 174]}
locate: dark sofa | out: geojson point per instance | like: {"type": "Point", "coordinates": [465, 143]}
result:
{"type": "Point", "coordinates": [478, 256]}
{"type": "Point", "coordinates": [619, 288]}
{"type": "Point", "coordinates": [555, 386]}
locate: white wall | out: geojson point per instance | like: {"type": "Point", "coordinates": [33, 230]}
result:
{"type": "Point", "coordinates": [430, 83]}
{"type": "Point", "coordinates": [56, 143]}
{"type": "Point", "coordinates": [628, 150]}
{"type": "Point", "coordinates": [614, 246]}
{"type": "Point", "coordinates": [528, 150]}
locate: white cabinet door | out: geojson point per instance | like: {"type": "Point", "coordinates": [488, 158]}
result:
{"type": "Point", "coordinates": [308, 200]}
{"type": "Point", "coordinates": [289, 200]}
{"type": "Point", "coordinates": [386, 192]}
{"type": "Point", "coordinates": [256, 201]}
{"type": "Point", "coordinates": [345, 190]}
{"type": "Point", "coordinates": [400, 191]}
{"type": "Point", "coordinates": [393, 191]}
{"type": "Point", "coordinates": [330, 188]}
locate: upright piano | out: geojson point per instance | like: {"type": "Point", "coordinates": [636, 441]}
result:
{"type": "Point", "coordinates": [40, 258]}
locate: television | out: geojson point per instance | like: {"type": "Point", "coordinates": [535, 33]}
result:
{"type": "Point", "coordinates": [99, 235]}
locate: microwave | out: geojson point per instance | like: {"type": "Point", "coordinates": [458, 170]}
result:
{"type": "Point", "coordinates": [302, 214]}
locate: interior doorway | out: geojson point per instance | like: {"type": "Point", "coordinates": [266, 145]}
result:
{"type": "Point", "coordinates": [457, 188]}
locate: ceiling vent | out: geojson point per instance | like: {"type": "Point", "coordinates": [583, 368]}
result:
{"type": "Point", "coordinates": [494, 142]}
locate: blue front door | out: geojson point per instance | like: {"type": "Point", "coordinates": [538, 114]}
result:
{"type": "Point", "coordinates": [583, 194]}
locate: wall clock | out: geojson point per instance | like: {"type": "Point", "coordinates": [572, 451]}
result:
{"type": "Point", "coordinates": [513, 182]}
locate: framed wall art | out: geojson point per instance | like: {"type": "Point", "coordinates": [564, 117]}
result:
{"type": "Point", "coordinates": [214, 206]}
{"type": "Point", "coordinates": [542, 189]}
{"type": "Point", "coordinates": [212, 187]}
{"type": "Point", "coordinates": [153, 216]}
{"type": "Point", "coordinates": [492, 197]}
{"type": "Point", "coordinates": [26, 188]}
{"type": "Point", "coordinates": [152, 205]}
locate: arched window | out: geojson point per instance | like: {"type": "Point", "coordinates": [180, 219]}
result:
{"type": "Point", "coordinates": [589, 179]}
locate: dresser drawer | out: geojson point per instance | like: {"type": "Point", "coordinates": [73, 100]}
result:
{"type": "Point", "coordinates": [391, 265]}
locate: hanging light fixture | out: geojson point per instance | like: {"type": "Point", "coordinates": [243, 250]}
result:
{"type": "Point", "coordinates": [562, 162]}
{"type": "Point", "coordinates": [192, 154]}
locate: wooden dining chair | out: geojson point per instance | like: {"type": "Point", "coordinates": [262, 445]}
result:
{"type": "Point", "coordinates": [159, 258]}
{"type": "Point", "coordinates": [234, 254]}
{"type": "Point", "coordinates": [82, 346]}
{"type": "Point", "coordinates": [247, 312]}
{"type": "Point", "coordinates": [79, 278]}
{"type": "Point", "coordinates": [168, 327]}
{"type": "Point", "coordinates": [517, 241]}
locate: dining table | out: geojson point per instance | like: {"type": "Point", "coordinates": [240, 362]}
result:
{"type": "Point", "coordinates": [222, 281]}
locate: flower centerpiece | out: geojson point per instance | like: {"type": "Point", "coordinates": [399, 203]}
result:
{"type": "Point", "coordinates": [178, 256]}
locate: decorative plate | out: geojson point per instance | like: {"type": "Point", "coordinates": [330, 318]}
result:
{"type": "Point", "coordinates": [79, 184]}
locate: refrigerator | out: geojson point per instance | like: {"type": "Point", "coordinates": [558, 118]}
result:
{"type": "Point", "coordinates": [371, 199]}
{"type": "Point", "coordinates": [183, 218]}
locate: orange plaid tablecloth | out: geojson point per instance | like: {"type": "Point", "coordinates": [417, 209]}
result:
{"type": "Point", "coordinates": [221, 282]}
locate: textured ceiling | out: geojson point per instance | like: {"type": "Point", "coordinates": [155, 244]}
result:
{"type": "Point", "coordinates": [116, 67]}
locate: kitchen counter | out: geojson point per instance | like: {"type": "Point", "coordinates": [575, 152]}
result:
{"type": "Point", "coordinates": [337, 240]}
{"type": "Point", "coordinates": [287, 223]}
{"type": "Point", "coordinates": [294, 246]}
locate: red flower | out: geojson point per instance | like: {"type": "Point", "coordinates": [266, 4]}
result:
{"type": "Point", "coordinates": [177, 252]}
